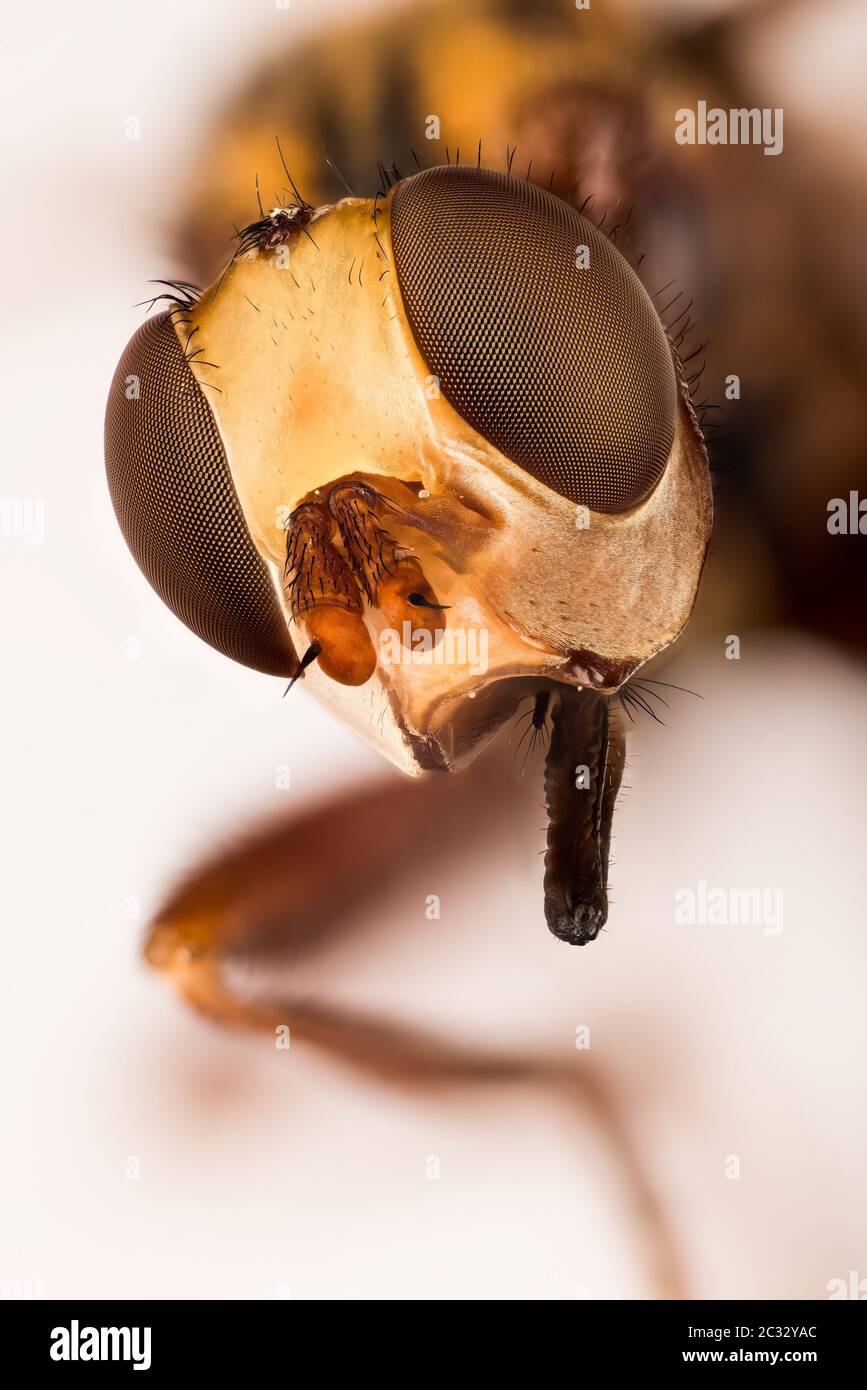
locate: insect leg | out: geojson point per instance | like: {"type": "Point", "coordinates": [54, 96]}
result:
{"type": "Point", "coordinates": [582, 778]}
{"type": "Point", "coordinates": [324, 595]}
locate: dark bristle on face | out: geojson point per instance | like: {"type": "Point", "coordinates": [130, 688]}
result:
{"type": "Point", "coordinates": [565, 370]}
{"type": "Point", "coordinates": [177, 507]}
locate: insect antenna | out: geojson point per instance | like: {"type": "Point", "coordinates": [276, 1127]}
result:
{"type": "Point", "coordinates": [312, 652]}
{"type": "Point", "coordinates": [419, 601]}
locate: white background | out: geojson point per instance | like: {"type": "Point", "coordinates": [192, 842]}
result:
{"type": "Point", "coordinates": [278, 1174]}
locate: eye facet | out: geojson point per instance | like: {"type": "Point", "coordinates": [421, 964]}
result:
{"type": "Point", "coordinates": [177, 506]}
{"type": "Point", "coordinates": [556, 357]}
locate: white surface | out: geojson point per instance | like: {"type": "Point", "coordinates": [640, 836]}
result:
{"type": "Point", "coordinates": [275, 1174]}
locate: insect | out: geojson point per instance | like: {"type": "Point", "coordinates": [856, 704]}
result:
{"type": "Point", "coordinates": [434, 454]}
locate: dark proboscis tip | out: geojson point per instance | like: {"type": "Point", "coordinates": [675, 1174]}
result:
{"type": "Point", "coordinates": [576, 924]}
{"type": "Point", "coordinates": [580, 810]}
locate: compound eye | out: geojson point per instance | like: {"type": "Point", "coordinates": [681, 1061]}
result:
{"type": "Point", "coordinates": [554, 353]}
{"type": "Point", "coordinates": [177, 507]}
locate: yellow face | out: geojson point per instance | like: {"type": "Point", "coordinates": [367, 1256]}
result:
{"type": "Point", "coordinates": [446, 498]}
